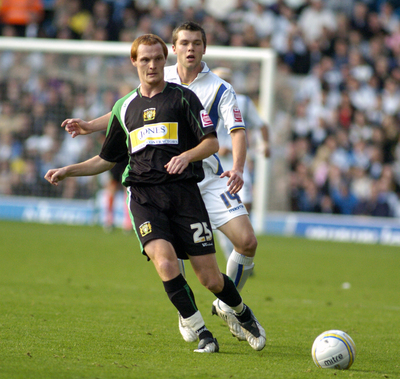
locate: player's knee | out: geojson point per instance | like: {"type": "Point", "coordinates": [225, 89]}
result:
{"type": "Point", "coordinates": [166, 266]}
{"type": "Point", "coordinates": [249, 245]}
{"type": "Point", "coordinates": [213, 283]}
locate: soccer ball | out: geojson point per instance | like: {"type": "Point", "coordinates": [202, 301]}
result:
{"type": "Point", "coordinates": [333, 349]}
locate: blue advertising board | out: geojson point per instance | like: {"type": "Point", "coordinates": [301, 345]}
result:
{"type": "Point", "coordinates": [49, 211]}
{"type": "Point", "coordinates": [334, 227]}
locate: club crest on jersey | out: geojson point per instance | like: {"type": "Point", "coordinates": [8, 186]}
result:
{"type": "Point", "coordinates": [205, 119]}
{"type": "Point", "coordinates": [237, 115]}
{"type": "Point", "coordinates": [145, 228]}
{"type": "Point", "coordinates": [149, 114]}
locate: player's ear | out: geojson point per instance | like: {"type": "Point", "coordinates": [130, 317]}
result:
{"type": "Point", "coordinates": [134, 62]}
{"type": "Point", "coordinates": [174, 49]}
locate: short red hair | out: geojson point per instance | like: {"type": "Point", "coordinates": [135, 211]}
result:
{"type": "Point", "coordinates": [147, 39]}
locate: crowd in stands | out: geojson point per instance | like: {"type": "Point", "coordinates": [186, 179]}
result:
{"type": "Point", "coordinates": [343, 152]}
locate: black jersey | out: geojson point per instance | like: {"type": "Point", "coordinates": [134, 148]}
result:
{"type": "Point", "coordinates": [154, 130]}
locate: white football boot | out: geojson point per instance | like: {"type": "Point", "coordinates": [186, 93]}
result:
{"type": "Point", "coordinates": [229, 317]}
{"type": "Point", "coordinates": [207, 345]}
{"type": "Point", "coordinates": [254, 332]}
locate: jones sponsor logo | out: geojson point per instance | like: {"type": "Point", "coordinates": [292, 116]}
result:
{"type": "Point", "coordinates": [155, 131]}
{"type": "Point", "coordinates": [162, 133]}
{"type": "Point", "coordinates": [336, 359]}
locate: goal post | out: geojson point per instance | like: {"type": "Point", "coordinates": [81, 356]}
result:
{"type": "Point", "coordinates": [266, 58]}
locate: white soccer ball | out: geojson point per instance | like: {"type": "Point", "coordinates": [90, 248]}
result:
{"type": "Point", "coordinates": [334, 349]}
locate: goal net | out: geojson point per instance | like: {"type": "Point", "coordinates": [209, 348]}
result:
{"type": "Point", "coordinates": [45, 81]}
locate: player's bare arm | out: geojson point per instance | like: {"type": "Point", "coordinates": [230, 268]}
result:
{"type": "Point", "coordinates": [77, 126]}
{"type": "Point", "coordinates": [92, 166]}
{"type": "Point", "coordinates": [209, 145]}
{"type": "Point", "coordinates": [239, 148]}
{"type": "Point", "coordinates": [266, 143]}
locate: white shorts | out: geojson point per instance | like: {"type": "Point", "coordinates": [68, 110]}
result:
{"type": "Point", "coordinates": [246, 193]}
{"type": "Point", "coordinates": [221, 205]}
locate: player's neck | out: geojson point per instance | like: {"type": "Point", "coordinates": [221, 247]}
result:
{"type": "Point", "coordinates": [151, 90]}
{"type": "Point", "coordinates": [188, 75]}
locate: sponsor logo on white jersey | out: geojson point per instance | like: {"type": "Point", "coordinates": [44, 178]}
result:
{"type": "Point", "coordinates": [237, 115]}
{"type": "Point", "coordinates": [205, 119]}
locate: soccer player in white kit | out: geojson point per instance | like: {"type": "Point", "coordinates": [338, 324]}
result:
{"type": "Point", "coordinates": [219, 188]}
{"type": "Point", "coordinates": [258, 138]}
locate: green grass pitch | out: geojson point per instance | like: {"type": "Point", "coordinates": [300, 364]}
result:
{"type": "Point", "coordinates": [78, 303]}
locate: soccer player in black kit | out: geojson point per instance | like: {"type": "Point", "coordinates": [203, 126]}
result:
{"type": "Point", "coordinates": [167, 133]}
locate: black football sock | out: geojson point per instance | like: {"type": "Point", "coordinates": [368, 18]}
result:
{"type": "Point", "coordinates": [229, 294]}
{"type": "Point", "coordinates": [204, 333]}
{"type": "Point", "coordinates": [181, 296]}
{"type": "Point", "coordinates": [244, 315]}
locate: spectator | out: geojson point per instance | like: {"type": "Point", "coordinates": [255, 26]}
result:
{"type": "Point", "coordinates": [40, 144]}
{"type": "Point", "coordinates": [388, 18]}
{"type": "Point", "coordinates": [340, 53]}
{"type": "Point", "coordinates": [309, 199]}
{"type": "Point", "coordinates": [376, 205]}
{"type": "Point", "coordinates": [327, 206]}
{"type": "Point", "coordinates": [10, 119]}
{"type": "Point", "coordinates": [359, 153]}
{"type": "Point", "coordinates": [79, 18]}
{"type": "Point", "coordinates": [236, 18]}
{"type": "Point", "coordinates": [361, 183]}
{"type": "Point", "coordinates": [263, 20]}
{"type": "Point", "coordinates": [376, 161]}
{"type": "Point", "coordinates": [344, 199]}
{"type": "Point", "coordinates": [390, 97]}
{"type": "Point", "coordinates": [24, 15]}
{"type": "Point", "coordinates": [161, 22]}
{"type": "Point", "coordinates": [345, 110]}
{"type": "Point", "coordinates": [390, 128]}
{"type": "Point", "coordinates": [314, 19]}
{"type": "Point", "coordinates": [103, 19]}
{"type": "Point", "coordinates": [118, 8]}
{"type": "Point", "coordinates": [358, 20]}
{"type": "Point", "coordinates": [360, 129]}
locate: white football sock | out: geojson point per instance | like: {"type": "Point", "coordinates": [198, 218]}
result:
{"type": "Point", "coordinates": [238, 268]}
{"type": "Point", "coordinates": [195, 322]}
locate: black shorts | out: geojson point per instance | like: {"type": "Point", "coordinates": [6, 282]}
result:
{"type": "Point", "coordinates": [174, 212]}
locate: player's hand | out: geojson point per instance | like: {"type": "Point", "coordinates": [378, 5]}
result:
{"type": "Point", "coordinates": [76, 126]}
{"type": "Point", "coordinates": [266, 150]}
{"type": "Point", "coordinates": [235, 182]}
{"type": "Point", "coordinates": [177, 164]}
{"type": "Point", "coordinates": [55, 175]}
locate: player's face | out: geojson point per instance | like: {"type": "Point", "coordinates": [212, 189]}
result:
{"type": "Point", "coordinates": [150, 64]}
{"type": "Point", "coordinates": [189, 49]}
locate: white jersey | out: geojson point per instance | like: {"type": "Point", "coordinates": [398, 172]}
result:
{"type": "Point", "coordinates": [253, 122]}
{"type": "Point", "coordinates": [218, 99]}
